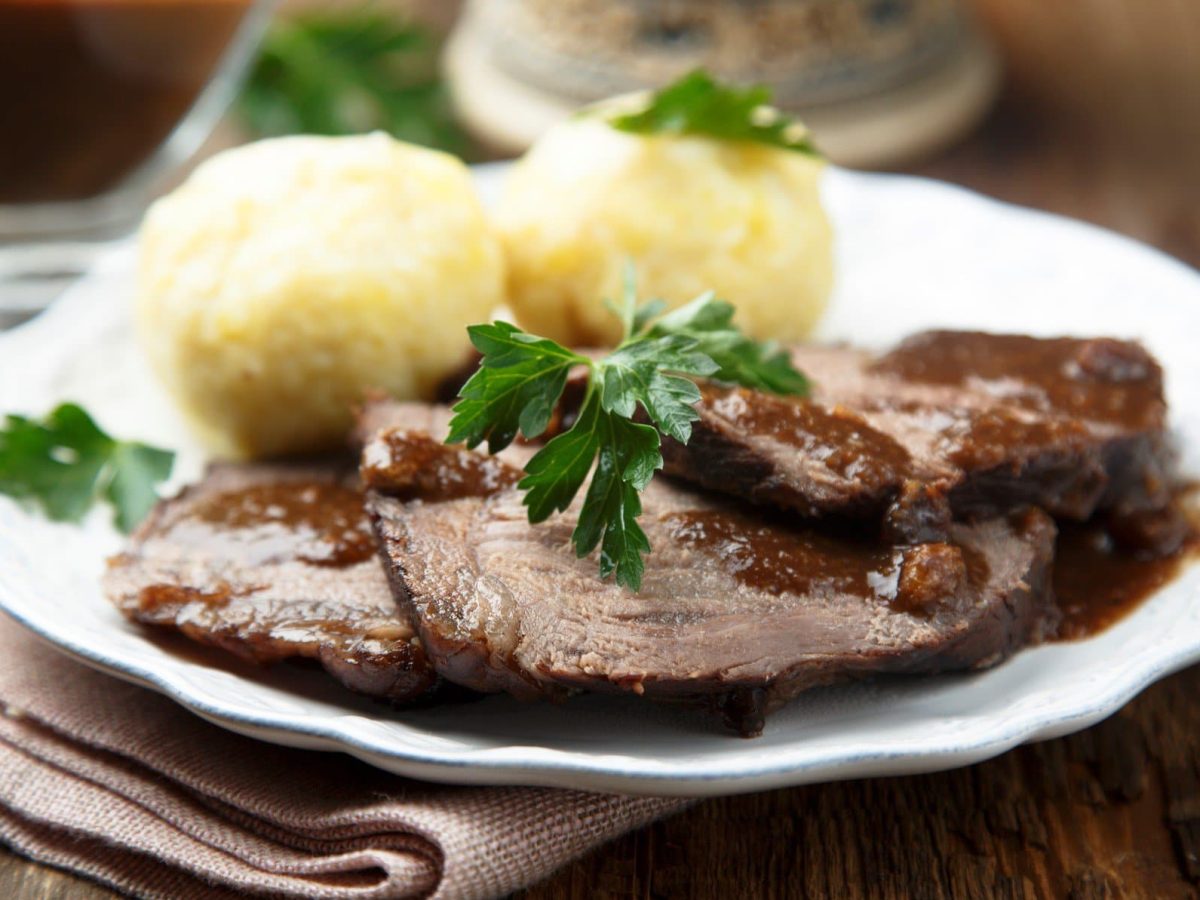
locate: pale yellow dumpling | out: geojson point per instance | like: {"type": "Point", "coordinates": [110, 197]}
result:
{"type": "Point", "coordinates": [692, 214]}
{"type": "Point", "coordinates": [286, 277]}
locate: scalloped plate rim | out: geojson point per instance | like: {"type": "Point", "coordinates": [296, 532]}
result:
{"type": "Point", "coordinates": [523, 764]}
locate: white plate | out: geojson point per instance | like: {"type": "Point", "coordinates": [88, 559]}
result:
{"type": "Point", "coordinates": [911, 254]}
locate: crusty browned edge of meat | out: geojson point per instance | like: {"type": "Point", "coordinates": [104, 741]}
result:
{"type": "Point", "coordinates": [402, 675]}
{"type": "Point", "coordinates": [1021, 613]}
{"type": "Point", "coordinates": [1118, 473]}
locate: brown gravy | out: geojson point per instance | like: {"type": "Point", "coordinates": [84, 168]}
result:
{"type": "Point", "coordinates": [154, 596]}
{"type": "Point", "coordinates": [1097, 583]}
{"type": "Point", "coordinates": [914, 579]}
{"type": "Point", "coordinates": [844, 442]}
{"type": "Point", "coordinates": [415, 467]}
{"type": "Point", "coordinates": [983, 439]}
{"type": "Point", "coordinates": [314, 522]}
{"type": "Point", "coordinates": [781, 560]}
{"type": "Point", "coordinates": [1066, 375]}
{"type": "Point", "coordinates": [89, 88]}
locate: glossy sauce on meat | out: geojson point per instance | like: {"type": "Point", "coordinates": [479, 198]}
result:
{"type": "Point", "coordinates": [844, 442]}
{"type": "Point", "coordinates": [408, 465]}
{"type": "Point", "coordinates": [1097, 581]}
{"type": "Point", "coordinates": [986, 438]}
{"type": "Point", "coordinates": [319, 523]}
{"type": "Point", "coordinates": [736, 611]}
{"type": "Point", "coordinates": [1071, 376]}
{"type": "Point", "coordinates": [777, 559]}
{"type": "Point", "coordinates": [157, 595]}
{"type": "Point", "coordinates": [274, 562]}
{"type": "Point", "coordinates": [948, 426]}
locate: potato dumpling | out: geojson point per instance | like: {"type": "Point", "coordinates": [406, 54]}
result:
{"type": "Point", "coordinates": [691, 213]}
{"type": "Point", "coordinates": [284, 278]}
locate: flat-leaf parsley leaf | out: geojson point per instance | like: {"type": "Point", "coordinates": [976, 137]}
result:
{"type": "Point", "coordinates": [696, 104]}
{"type": "Point", "coordinates": [65, 462]}
{"type": "Point", "coordinates": [522, 377]}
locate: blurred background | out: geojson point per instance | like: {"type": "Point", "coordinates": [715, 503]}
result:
{"type": "Point", "coordinates": [1090, 108]}
{"type": "Point", "coordinates": [1093, 110]}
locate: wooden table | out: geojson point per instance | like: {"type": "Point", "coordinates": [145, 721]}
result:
{"type": "Point", "coordinates": [1101, 120]}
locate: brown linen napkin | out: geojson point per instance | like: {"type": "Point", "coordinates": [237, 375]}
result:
{"type": "Point", "coordinates": [121, 784]}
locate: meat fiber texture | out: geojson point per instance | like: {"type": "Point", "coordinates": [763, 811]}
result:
{"type": "Point", "coordinates": [734, 611]}
{"type": "Point", "coordinates": [948, 425]}
{"type": "Point", "coordinates": [274, 562]}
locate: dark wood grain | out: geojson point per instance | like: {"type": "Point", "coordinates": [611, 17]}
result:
{"type": "Point", "coordinates": [1101, 120]}
{"type": "Point", "coordinates": [1100, 117]}
{"type": "Point", "coordinates": [24, 880]}
{"type": "Point", "coordinates": [1111, 812]}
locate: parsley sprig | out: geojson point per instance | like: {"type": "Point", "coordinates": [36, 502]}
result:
{"type": "Point", "coordinates": [522, 376]}
{"type": "Point", "coordinates": [696, 104]}
{"type": "Point", "coordinates": [66, 462]}
{"type": "Point", "coordinates": [350, 71]}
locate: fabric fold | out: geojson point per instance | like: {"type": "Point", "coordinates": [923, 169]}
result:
{"type": "Point", "coordinates": [118, 783]}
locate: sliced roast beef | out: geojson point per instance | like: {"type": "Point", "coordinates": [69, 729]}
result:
{"type": "Point", "coordinates": [380, 412]}
{"type": "Point", "coordinates": [948, 425]}
{"type": "Point", "coordinates": [734, 610]}
{"type": "Point", "coordinates": [269, 563]}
